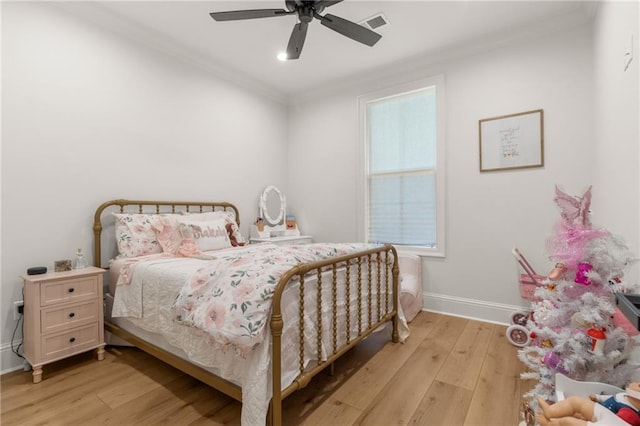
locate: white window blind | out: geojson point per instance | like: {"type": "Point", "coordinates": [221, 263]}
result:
{"type": "Point", "coordinates": [401, 147]}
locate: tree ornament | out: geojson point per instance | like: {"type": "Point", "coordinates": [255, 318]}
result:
{"type": "Point", "coordinates": [581, 273]}
{"type": "Point", "coordinates": [553, 360]}
{"type": "Point", "coordinates": [598, 339]}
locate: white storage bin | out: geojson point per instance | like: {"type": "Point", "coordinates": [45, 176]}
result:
{"type": "Point", "coordinates": [410, 284]}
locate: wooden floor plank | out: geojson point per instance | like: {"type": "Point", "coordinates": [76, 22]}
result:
{"type": "Point", "coordinates": [400, 397]}
{"type": "Point", "coordinates": [463, 364]}
{"type": "Point", "coordinates": [367, 383]}
{"type": "Point", "coordinates": [361, 368]}
{"type": "Point", "coordinates": [397, 401]}
{"type": "Point", "coordinates": [443, 405]}
{"type": "Point", "coordinates": [496, 394]}
{"type": "Point", "coordinates": [428, 380]}
{"type": "Point", "coordinates": [178, 402]}
{"type": "Point", "coordinates": [333, 412]}
{"type": "Point", "coordinates": [137, 385]}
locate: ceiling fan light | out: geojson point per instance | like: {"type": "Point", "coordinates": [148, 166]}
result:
{"type": "Point", "coordinates": [282, 56]}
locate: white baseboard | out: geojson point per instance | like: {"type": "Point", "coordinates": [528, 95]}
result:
{"type": "Point", "coordinates": [480, 310]}
{"type": "Point", "coordinates": [8, 360]}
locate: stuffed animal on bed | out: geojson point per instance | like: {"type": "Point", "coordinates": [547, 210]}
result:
{"type": "Point", "coordinates": [188, 247]}
{"type": "Point", "coordinates": [235, 236]}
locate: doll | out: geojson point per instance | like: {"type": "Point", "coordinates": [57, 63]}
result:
{"type": "Point", "coordinates": [625, 405]}
{"type": "Point", "coordinates": [620, 409]}
{"type": "Point", "coordinates": [188, 247]}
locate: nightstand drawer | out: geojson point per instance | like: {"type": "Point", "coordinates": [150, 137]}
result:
{"type": "Point", "coordinates": [70, 342]}
{"type": "Point", "coordinates": [70, 290]}
{"type": "Point", "coordinates": [59, 319]}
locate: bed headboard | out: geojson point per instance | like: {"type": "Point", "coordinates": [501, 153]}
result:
{"type": "Point", "coordinates": [103, 219]}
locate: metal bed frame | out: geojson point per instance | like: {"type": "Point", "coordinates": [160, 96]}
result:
{"type": "Point", "coordinates": [375, 268]}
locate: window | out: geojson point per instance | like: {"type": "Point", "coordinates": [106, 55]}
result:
{"type": "Point", "coordinates": [402, 149]}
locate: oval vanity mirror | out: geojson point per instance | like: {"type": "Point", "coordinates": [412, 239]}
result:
{"type": "Point", "coordinates": [272, 206]}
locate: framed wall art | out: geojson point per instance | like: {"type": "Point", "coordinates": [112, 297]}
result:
{"type": "Point", "coordinates": [514, 141]}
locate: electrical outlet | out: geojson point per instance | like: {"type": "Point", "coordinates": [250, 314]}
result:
{"type": "Point", "coordinates": [18, 309]}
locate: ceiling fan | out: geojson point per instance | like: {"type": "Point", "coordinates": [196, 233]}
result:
{"type": "Point", "coordinates": [306, 10]}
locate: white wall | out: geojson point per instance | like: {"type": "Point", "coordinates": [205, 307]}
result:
{"type": "Point", "coordinates": [89, 116]}
{"type": "Point", "coordinates": [487, 213]}
{"type": "Point", "coordinates": [616, 198]}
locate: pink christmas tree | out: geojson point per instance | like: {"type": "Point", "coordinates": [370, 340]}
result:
{"type": "Point", "coordinates": [573, 328]}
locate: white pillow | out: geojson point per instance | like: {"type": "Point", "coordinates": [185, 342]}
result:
{"type": "Point", "coordinates": [213, 215]}
{"type": "Point", "coordinates": [209, 234]}
{"type": "Point", "coordinates": [233, 231]}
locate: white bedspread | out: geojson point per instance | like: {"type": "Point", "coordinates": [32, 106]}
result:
{"type": "Point", "coordinates": [147, 302]}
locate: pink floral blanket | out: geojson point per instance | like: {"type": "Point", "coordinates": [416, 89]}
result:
{"type": "Point", "coordinates": [230, 297]}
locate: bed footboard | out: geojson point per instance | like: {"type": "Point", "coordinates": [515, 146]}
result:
{"type": "Point", "coordinates": [372, 275]}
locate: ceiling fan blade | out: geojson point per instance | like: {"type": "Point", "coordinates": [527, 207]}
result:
{"type": "Point", "coordinates": [296, 41]}
{"type": "Point", "coordinates": [236, 15]}
{"type": "Point", "coordinates": [350, 29]}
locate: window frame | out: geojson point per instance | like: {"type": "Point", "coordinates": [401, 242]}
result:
{"type": "Point", "coordinates": [363, 164]}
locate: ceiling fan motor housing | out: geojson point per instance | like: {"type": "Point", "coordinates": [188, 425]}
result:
{"type": "Point", "coordinates": [304, 8]}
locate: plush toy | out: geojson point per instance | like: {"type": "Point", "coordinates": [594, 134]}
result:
{"type": "Point", "coordinates": [621, 409]}
{"type": "Point", "coordinates": [188, 247]}
{"type": "Point", "coordinates": [234, 234]}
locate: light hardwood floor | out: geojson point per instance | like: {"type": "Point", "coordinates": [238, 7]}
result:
{"type": "Point", "coordinates": [450, 371]}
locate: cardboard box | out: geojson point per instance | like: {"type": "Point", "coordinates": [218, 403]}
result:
{"type": "Point", "coordinates": [629, 305]}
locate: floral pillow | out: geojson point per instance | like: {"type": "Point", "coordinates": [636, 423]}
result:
{"type": "Point", "coordinates": [135, 235]}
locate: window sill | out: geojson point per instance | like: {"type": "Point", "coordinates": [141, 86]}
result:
{"type": "Point", "coordinates": [421, 251]}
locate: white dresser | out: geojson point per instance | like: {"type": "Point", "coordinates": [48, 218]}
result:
{"type": "Point", "coordinates": [285, 241]}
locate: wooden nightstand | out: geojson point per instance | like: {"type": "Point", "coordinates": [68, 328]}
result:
{"type": "Point", "coordinates": [63, 316]}
{"type": "Point", "coordinates": [285, 241]}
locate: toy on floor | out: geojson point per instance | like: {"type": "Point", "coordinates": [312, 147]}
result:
{"type": "Point", "coordinates": [620, 409]}
{"type": "Point", "coordinates": [517, 333]}
{"type": "Point", "coordinates": [576, 411]}
{"type": "Point", "coordinates": [605, 404]}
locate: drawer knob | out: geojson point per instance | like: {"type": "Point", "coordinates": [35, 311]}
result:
{"type": "Point", "coordinates": [72, 314]}
{"type": "Point", "coordinates": [71, 290]}
{"type": "Point", "coordinates": [73, 339]}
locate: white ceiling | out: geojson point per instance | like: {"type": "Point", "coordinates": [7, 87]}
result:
{"type": "Point", "coordinates": [246, 50]}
